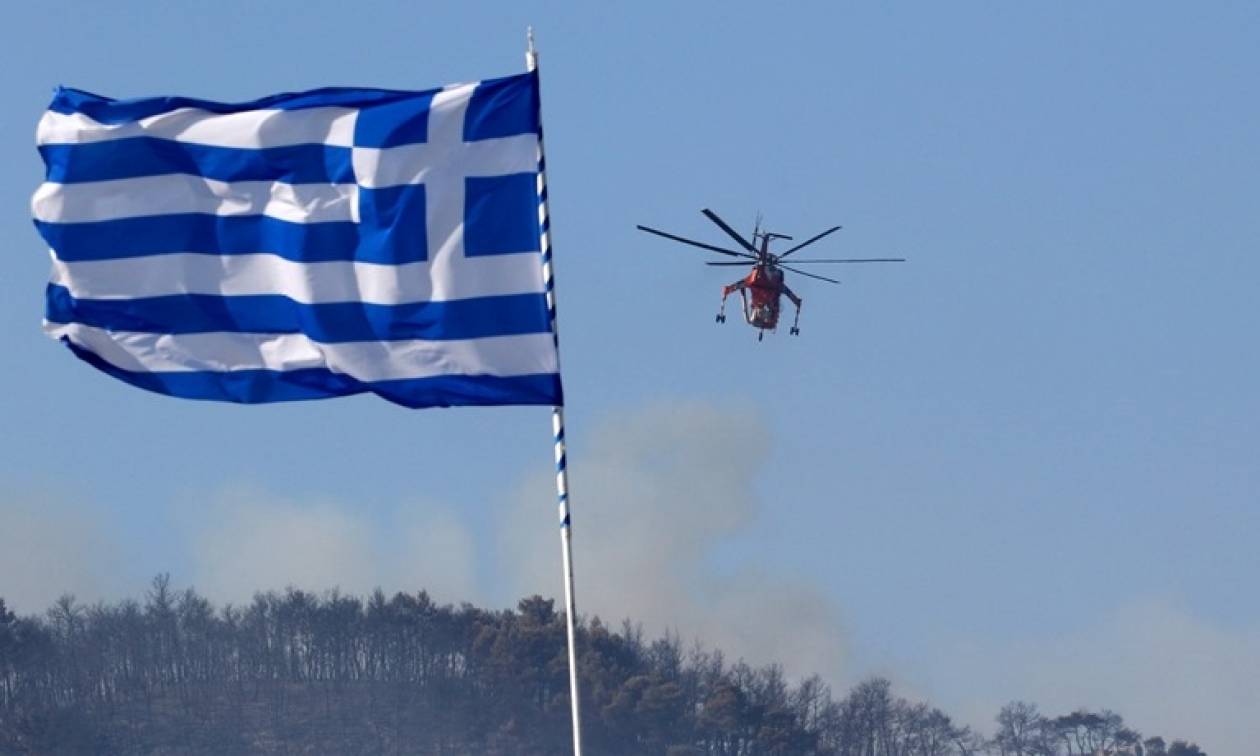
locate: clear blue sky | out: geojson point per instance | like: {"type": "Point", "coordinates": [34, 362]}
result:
{"type": "Point", "coordinates": [1024, 465]}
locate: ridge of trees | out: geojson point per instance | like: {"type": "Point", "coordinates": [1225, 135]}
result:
{"type": "Point", "coordinates": [333, 673]}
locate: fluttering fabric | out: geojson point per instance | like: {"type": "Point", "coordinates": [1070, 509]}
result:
{"type": "Point", "coordinates": [303, 246]}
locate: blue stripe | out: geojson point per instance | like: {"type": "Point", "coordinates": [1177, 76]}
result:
{"type": "Point", "coordinates": [151, 156]}
{"type": "Point", "coordinates": [328, 323]}
{"type": "Point", "coordinates": [214, 235]}
{"type": "Point", "coordinates": [110, 111]}
{"type": "Point", "coordinates": [262, 386]}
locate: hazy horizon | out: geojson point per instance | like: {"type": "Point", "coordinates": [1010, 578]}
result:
{"type": "Point", "coordinates": [1020, 466]}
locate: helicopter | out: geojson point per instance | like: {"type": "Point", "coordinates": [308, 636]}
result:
{"type": "Point", "coordinates": [763, 288]}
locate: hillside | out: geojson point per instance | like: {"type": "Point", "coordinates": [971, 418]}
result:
{"type": "Point", "coordinates": [296, 672]}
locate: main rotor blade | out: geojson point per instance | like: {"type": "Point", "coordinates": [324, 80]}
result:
{"type": "Point", "coordinates": [729, 231]}
{"type": "Point", "coordinates": [854, 260]}
{"type": "Point", "coordinates": [723, 262]}
{"type": "Point", "coordinates": [810, 275]}
{"type": "Point", "coordinates": [701, 245]}
{"type": "Point", "coordinates": [808, 242]}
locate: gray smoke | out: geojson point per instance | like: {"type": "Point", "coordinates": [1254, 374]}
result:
{"type": "Point", "coordinates": [656, 495]}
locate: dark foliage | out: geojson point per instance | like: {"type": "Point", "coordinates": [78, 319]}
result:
{"type": "Point", "coordinates": [296, 672]}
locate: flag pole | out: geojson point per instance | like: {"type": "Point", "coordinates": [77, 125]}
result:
{"type": "Point", "coordinates": [557, 420]}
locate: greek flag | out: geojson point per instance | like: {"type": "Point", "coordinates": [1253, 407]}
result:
{"type": "Point", "coordinates": [303, 246]}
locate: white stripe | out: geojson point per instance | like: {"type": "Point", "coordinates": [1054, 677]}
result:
{"type": "Point", "coordinates": [377, 167]}
{"type": "Point", "coordinates": [178, 193]}
{"type": "Point", "coordinates": [250, 129]}
{"type": "Point", "coordinates": [445, 278]}
{"type": "Point", "coordinates": [367, 361]}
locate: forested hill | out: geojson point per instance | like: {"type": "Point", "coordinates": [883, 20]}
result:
{"type": "Point", "coordinates": [296, 672]}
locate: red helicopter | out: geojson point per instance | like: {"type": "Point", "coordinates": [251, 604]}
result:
{"type": "Point", "coordinates": [763, 287]}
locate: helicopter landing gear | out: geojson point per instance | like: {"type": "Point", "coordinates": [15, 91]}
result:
{"type": "Point", "coordinates": [761, 335]}
{"type": "Point", "coordinates": [795, 331]}
{"type": "Point", "coordinates": [739, 286]}
{"type": "Point", "coordinates": [796, 322]}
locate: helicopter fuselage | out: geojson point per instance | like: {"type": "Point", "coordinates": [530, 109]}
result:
{"type": "Point", "coordinates": [762, 293]}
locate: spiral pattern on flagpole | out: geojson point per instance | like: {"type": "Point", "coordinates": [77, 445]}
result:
{"type": "Point", "coordinates": [549, 288]}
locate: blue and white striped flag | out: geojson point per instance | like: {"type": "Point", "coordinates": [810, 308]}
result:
{"type": "Point", "coordinates": [304, 245]}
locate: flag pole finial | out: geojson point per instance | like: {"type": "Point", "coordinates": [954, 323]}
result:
{"type": "Point", "coordinates": [531, 54]}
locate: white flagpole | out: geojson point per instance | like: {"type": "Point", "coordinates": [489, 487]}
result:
{"type": "Point", "coordinates": [557, 423]}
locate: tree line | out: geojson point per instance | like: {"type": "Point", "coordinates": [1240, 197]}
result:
{"type": "Point", "coordinates": [333, 673]}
